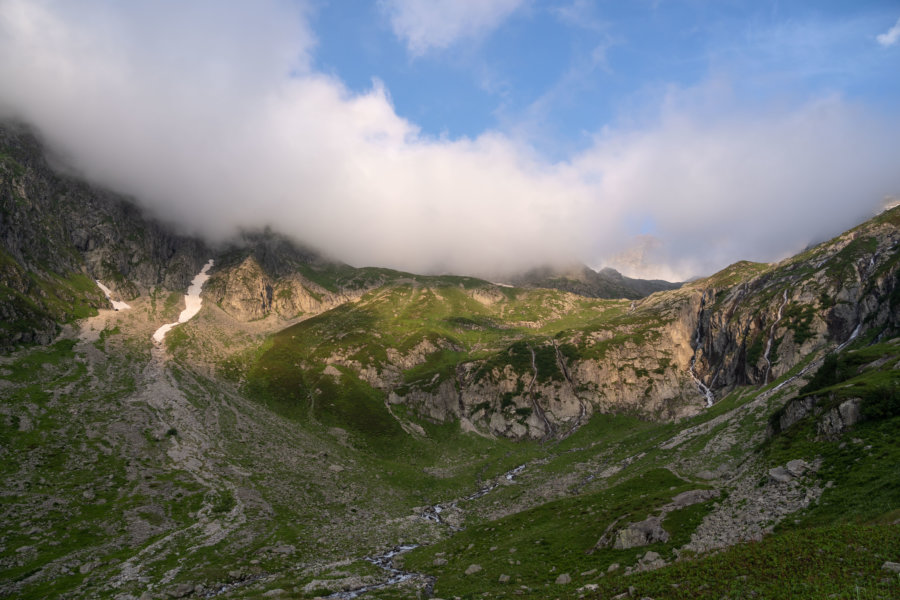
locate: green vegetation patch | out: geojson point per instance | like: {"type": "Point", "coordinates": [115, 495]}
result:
{"type": "Point", "coordinates": [534, 546]}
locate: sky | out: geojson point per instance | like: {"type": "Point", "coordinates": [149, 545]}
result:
{"type": "Point", "coordinates": [665, 138]}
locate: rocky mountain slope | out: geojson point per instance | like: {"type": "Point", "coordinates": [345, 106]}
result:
{"type": "Point", "coordinates": [584, 281]}
{"type": "Point", "coordinates": [319, 429]}
{"type": "Point", "coordinates": [57, 233]}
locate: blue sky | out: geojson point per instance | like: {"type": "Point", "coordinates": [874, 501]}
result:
{"type": "Point", "coordinates": [557, 72]}
{"type": "Point", "coordinates": [665, 138]}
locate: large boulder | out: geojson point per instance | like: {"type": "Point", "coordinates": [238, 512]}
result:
{"type": "Point", "coordinates": [642, 533]}
{"type": "Point", "coordinates": [837, 420]}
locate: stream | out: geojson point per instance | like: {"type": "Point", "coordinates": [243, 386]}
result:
{"type": "Point", "coordinates": [771, 336]}
{"type": "Point", "coordinates": [385, 560]}
{"type": "Point", "coordinates": [707, 393]}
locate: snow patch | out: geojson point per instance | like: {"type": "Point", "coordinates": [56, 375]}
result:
{"type": "Point", "coordinates": [116, 304]}
{"type": "Point", "coordinates": [192, 303]}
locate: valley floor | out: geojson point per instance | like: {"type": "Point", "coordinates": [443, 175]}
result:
{"type": "Point", "coordinates": [128, 473]}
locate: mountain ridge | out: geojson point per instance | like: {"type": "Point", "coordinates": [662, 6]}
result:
{"type": "Point", "coordinates": [320, 429]}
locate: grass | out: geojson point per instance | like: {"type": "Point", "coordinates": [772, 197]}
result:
{"type": "Point", "coordinates": [534, 546]}
{"type": "Point", "coordinates": [840, 561]}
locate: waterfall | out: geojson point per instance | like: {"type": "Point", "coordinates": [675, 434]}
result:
{"type": "Point", "coordinates": [702, 387]}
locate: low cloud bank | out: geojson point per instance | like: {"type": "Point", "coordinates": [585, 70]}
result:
{"type": "Point", "coordinates": [216, 121]}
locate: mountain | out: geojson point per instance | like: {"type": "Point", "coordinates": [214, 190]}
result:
{"type": "Point", "coordinates": [318, 428]}
{"type": "Point", "coordinates": [57, 233]}
{"type": "Point", "coordinates": [584, 281]}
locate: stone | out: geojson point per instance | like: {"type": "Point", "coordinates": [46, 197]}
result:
{"type": "Point", "coordinates": [181, 590]}
{"type": "Point", "coordinates": [692, 497]}
{"type": "Point", "coordinates": [473, 568]}
{"type": "Point", "coordinates": [286, 549]}
{"type": "Point", "coordinates": [891, 566]}
{"type": "Point", "coordinates": [797, 467]}
{"type": "Point", "coordinates": [504, 579]}
{"type": "Point", "coordinates": [642, 533]}
{"type": "Point", "coordinates": [588, 573]}
{"type": "Point", "coordinates": [564, 579]}
{"type": "Point", "coordinates": [87, 567]}
{"type": "Point", "coordinates": [439, 562]}
{"type": "Point", "coordinates": [780, 475]}
{"type": "Point", "coordinates": [650, 556]}
{"type": "Point", "coordinates": [612, 567]}
{"type": "Point", "coordinates": [274, 593]}
{"type": "Point", "coordinates": [839, 419]}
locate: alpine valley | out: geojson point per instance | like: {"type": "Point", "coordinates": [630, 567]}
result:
{"type": "Point", "coordinates": [320, 430]}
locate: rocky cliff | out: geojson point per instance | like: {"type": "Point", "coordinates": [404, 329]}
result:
{"type": "Point", "coordinates": [58, 234]}
{"type": "Point", "coordinates": [664, 357]}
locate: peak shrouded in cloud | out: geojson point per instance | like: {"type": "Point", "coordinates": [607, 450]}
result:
{"type": "Point", "coordinates": [214, 116]}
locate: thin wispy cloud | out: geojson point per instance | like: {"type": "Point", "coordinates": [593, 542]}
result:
{"type": "Point", "coordinates": [437, 24]}
{"type": "Point", "coordinates": [891, 36]}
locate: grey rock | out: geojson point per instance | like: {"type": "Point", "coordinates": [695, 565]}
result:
{"type": "Point", "coordinates": [891, 566]}
{"type": "Point", "coordinates": [472, 569]}
{"type": "Point", "coordinates": [780, 475]}
{"type": "Point", "coordinates": [794, 411]}
{"type": "Point", "coordinates": [612, 567]}
{"type": "Point", "coordinates": [181, 590]}
{"type": "Point", "coordinates": [88, 567]}
{"type": "Point", "coordinates": [692, 497]}
{"type": "Point", "coordinates": [564, 579]}
{"type": "Point", "coordinates": [840, 419]}
{"type": "Point", "coordinates": [641, 533]}
{"type": "Point", "coordinates": [797, 467]}
{"type": "Point", "coordinates": [503, 579]}
{"type": "Point", "coordinates": [439, 562]}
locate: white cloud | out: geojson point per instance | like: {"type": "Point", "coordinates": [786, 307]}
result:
{"type": "Point", "coordinates": [890, 37]}
{"type": "Point", "coordinates": [218, 122]}
{"type": "Point", "coordinates": [427, 24]}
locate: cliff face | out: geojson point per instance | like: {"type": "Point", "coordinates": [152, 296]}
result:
{"type": "Point", "coordinates": [248, 292]}
{"type": "Point", "coordinates": [749, 324]}
{"type": "Point", "coordinates": [755, 328]}
{"type": "Point", "coordinates": [57, 234]}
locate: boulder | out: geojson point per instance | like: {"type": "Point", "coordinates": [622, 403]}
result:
{"type": "Point", "coordinates": [641, 533]}
{"type": "Point", "coordinates": [837, 420]}
{"type": "Point", "coordinates": [181, 590]}
{"type": "Point", "coordinates": [891, 566]}
{"type": "Point", "coordinates": [780, 475]}
{"type": "Point", "coordinates": [693, 497]}
{"type": "Point", "coordinates": [564, 579]}
{"type": "Point", "coordinates": [797, 467]}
